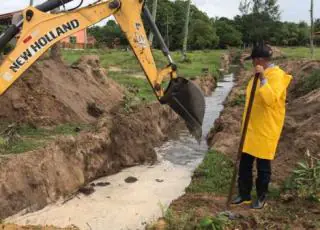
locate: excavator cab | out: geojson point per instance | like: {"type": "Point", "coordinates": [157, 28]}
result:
{"type": "Point", "coordinates": [38, 31]}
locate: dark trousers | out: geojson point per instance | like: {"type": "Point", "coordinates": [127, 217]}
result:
{"type": "Point", "coordinates": [245, 176]}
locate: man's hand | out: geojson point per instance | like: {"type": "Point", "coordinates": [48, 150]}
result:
{"type": "Point", "coordinates": [260, 70]}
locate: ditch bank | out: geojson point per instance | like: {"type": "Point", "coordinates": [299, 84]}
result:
{"type": "Point", "coordinates": [29, 181]}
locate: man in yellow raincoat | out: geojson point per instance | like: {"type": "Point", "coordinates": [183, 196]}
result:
{"type": "Point", "coordinates": [265, 126]}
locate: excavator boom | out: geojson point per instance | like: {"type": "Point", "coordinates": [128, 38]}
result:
{"type": "Point", "coordinates": [38, 31]}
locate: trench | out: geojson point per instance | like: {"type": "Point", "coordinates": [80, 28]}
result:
{"type": "Point", "coordinates": [122, 205]}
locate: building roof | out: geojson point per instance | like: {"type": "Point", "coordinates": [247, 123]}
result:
{"type": "Point", "coordinates": [6, 19]}
{"type": "Point", "coordinates": [8, 15]}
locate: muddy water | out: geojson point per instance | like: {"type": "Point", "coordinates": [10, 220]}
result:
{"type": "Point", "coordinates": [122, 205]}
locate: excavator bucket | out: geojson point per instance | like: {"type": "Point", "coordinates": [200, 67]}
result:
{"type": "Point", "coordinates": [187, 100]}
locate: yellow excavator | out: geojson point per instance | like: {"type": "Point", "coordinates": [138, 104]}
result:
{"type": "Point", "coordinates": [39, 30]}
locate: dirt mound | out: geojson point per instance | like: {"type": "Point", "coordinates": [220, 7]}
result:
{"type": "Point", "coordinates": [301, 130]}
{"type": "Point", "coordinates": [51, 92]}
{"type": "Point", "coordinates": [206, 83]}
{"type": "Point", "coordinates": [32, 180]}
{"type": "Point", "coordinates": [300, 70]}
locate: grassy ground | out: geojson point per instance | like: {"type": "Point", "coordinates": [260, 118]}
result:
{"type": "Point", "coordinates": [300, 52]}
{"type": "Point", "coordinates": [128, 63]}
{"type": "Point", "coordinates": [212, 174]}
{"type": "Point", "coordinates": [125, 69]}
{"type": "Point", "coordinates": [22, 138]}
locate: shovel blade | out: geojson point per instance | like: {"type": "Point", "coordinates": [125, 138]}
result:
{"type": "Point", "coordinates": [187, 100]}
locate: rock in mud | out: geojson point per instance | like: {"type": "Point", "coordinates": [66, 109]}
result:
{"type": "Point", "coordinates": [131, 179]}
{"type": "Point", "coordinates": [94, 110]}
{"type": "Point", "coordinates": [102, 184]}
{"type": "Point", "coordinates": [86, 190]}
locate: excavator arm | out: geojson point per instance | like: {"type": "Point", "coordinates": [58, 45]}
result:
{"type": "Point", "coordinates": [38, 31]}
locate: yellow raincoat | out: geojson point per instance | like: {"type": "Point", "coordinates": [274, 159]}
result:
{"type": "Point", "coordinates": [268, 113]}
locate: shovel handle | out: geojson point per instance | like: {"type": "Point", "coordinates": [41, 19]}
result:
{"type": "Point", "coordinates": [243, 138]}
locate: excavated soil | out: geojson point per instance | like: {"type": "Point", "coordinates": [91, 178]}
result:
{"type": "Point", "coordinates": [51, 92]}
{"type": "Point", "coordinates": [206, 83]}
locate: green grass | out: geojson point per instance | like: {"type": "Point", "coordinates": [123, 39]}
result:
{"type": "Point", "coordinates": [300, 52]}
{"type": "Point", "coordinates": [129, 66]}
{"type": "Point", "coordinates": [310, 82]}
{"type": "Point", "coordinates": [240, 100]}
{"type": "Point", "coordinates": [128, 62]}
{"type": "Point", "coordinates": [28, 138]}
{"type": "Point", "coordinates": [138, 87]}
{"type": "Point", "coordinates": [213, 175]}
{"type": "Point", "coordinates": [200, 60]}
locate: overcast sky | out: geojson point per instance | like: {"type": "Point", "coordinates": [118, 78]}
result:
{"type": "Point", "coordinates": [292, 10]}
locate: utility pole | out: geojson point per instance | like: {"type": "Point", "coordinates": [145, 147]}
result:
{"type": "Point", "coordinates": [31, 3]}
{"type": "Point", "coordinates": [311, 31]}
{"type": "Point", "coordinates": [186, 32]}
{"type": "Point", "coordinates": [154, 16]}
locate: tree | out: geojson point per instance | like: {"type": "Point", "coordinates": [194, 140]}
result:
{"type": "Point", "coordinates": [109, 35]}
{"type": "Point", "coordinates": [245, 6]}
{"type": "Point", "coordinates": [317, 25]}
{"type": "Point", "coordinates": [202, 35]}
{"type": "Point", "coordinates": [154, 16]}
{"type": "Point", "coordinates": [258, 19]}
{"type": "Point", "coordinates": [228, 34]}
{"type": "Point", "coordinates": [186, 31]}
{"type": "Point", "coordinates": [303, 33]}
